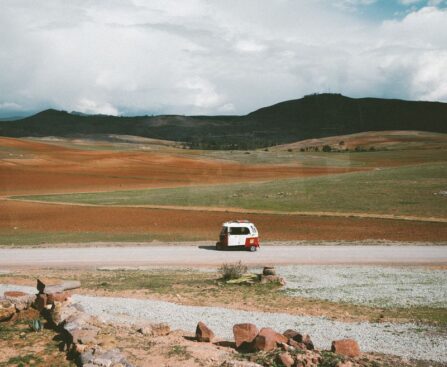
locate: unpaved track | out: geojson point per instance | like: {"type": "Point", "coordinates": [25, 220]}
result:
{"type": "Point", "coordinates": [207, 255]}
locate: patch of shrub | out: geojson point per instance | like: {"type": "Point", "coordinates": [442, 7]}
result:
{"type": "Point", "coordinates": [329, 359]}
{"type": "Point", "coordinates": [232, 271]}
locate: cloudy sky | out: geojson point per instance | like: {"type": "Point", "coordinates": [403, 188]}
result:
{"type": "Point", "coordinates": [128, 57]}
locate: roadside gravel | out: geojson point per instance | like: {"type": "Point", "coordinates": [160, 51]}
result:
{"type": "Point", "coordinates": [405, 340]}
{"type": "Point", "coordinates": [381, 286]}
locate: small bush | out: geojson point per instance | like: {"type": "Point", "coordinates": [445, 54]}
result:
{"type": "Point", "coordinates": [232, 271]}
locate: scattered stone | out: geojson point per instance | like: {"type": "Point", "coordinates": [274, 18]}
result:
{"type": "Point", "coordinates": [269, 270]}
{"type": "Point", "coordinates": [7, 310]}
{"type": "Point", "coordinates": [346, 347]}
{"type": "Point", "coordinates": [268, 339]}
{"type": "Point", "coordinates": [286, 359]}
{"type": "Point", "coordinates": [235, 363]}
{"type": "Point", "coordinates": [345, 364]}
{"type": "Point", "coordinates": [265, 279]}
{"type": "Point", "coordinates": [204, 333]}
{"type": "Point", "coordinates": [244, 334]}
{"type": "Point", "coordinates": [298, 340]}
{"type": "Point", "coordinates": [308, 342]}
{"type": "Point", "coordinates": [160, 329]}
{"type": "Point", "coordinates": [84, 336]}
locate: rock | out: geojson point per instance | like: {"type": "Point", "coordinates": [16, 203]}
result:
{"type": "Point", "coordinates": [56, 313]}
{"type": "Point", "coordinates": [286, 359]}
{"type": "Point", "coordinates": [346, 347]}
{"type": "Point", "coordinates": [308, 342]}
{"type": "Point", "coordinates": [265, 279]}
{"type": "Point", "coordinates": [298, 340]}
{"type": "Point", "coordinates": [84, 336]}
{"type": "Point", "coordinates": [345, 364]}
{"type": "Point", "coordinates": [86, 357]}
{"type": "Point", "coordinates": [296, 345]}
{"type": "Point", "coordinates": [7, 310]}
{"type": "Point", "coordinates": [40, 286]}
{"type": "Point", "coordinates": [244, 334]}
{"type": "Point", "coordinates": [57, 288]}
{"type": "Point", "coordinates": [103, 362]}
{"type": "Point", "coordinates": [41, 301]}
{"type": "Point", "coordinates": [204, 333]}
{"type": "Point", "coordinates": [21, 300]}
{"type": "Point", "coordinates": [269, 270]}
{"type": "Point", "coordinates": [293, 334]}
{"type": "Point", "coordinates": [14, 294]}
{"type": "Point", "coordinates": [268, 339]}
{"type": "Point", "coordinates": [160, 329]}
{"type": "Point", "coordinates": [235, 363]}
{"type": "Point", "coordinates": [57, 297]}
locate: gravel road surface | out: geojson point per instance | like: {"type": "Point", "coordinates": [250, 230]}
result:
{"type": "Point", "coordinates": [207, 255]}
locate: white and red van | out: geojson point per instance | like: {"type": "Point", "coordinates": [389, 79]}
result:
{"type": "Point", "coordinates": [238, 233]}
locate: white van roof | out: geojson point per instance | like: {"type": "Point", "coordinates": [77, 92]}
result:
{"type": "Point", "coordinates": [238, 223]}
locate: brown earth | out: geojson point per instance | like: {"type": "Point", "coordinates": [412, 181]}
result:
{"type": "Point", "coordinates": [38, 167]}
{"type": "Point", "coordinates": [38, 217]}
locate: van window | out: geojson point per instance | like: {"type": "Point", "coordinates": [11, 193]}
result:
{"type": "Point", "coordinates": [239, 230]}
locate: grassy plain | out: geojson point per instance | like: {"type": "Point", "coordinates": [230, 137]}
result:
{"type": "Point", "coordinates": [132, 171]}
{"type": "Point", "coordinates": [414, 191]}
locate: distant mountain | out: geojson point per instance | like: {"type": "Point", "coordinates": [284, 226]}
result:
{"type": "Point", "coordinates": [313, 116]}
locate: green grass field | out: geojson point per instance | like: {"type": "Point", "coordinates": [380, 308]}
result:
{"type": "Point", "coordinates": [23, 238]}
{"type": "Point", "coordinates": [410, 190]}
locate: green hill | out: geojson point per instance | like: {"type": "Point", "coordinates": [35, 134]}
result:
{"type": "Point", "coordinates": [314, 116]}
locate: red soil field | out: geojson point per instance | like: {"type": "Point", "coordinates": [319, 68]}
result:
{"type": "Point", "coordinates": [37, 217]}
{"type": "Point", "coordinates": [48, 168]}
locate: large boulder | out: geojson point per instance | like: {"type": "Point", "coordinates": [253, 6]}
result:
{"type": "Point", "coordinates": [268, 339]}
{"type": "Point", "coordinates": [244, 334]}
{"type": "Point", "coordinates": [204, 333]}
{"type": "Point", "coordinates": [7, 310]}
{"type": "Point", "coordinates": [346, 347]}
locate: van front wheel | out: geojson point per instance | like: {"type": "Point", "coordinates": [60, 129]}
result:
{"type": "Point", "coordinates": [253, 248]}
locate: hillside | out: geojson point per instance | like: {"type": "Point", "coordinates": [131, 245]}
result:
{"type": "Point", "coordinates": [314, 116]}
{"type": "Point", "coordinates": [371, 140]}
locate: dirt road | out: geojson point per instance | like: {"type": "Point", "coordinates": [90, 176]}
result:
{"type": "Point", "coordinates": [207, 255]}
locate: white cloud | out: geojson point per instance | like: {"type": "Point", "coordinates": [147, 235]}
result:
{"type": "Point", "coordinates": [92, 107]}
{"type": "Point", "coordinates": [210, 56]}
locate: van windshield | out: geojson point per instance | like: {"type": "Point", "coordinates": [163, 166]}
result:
{"type": "Point", "coordinates": [224, 231]}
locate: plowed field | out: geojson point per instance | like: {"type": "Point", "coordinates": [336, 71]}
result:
{"type": "Point", "coordinates": [37, 217]}
{"type": "Point", "coordinates": [43, 168]}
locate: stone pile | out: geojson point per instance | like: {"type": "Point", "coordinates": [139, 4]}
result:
{"type": "Point", "coordinates": [77, 330]}
{"type": "Point", "coordinates": [291, 348]}
{"type": "Point", "coordinates": [269, 276]}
